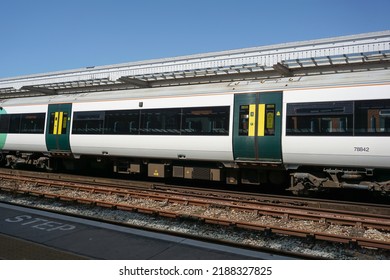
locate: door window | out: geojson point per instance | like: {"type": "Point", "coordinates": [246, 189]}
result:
{"type": "Point", "coordinates": [269, 119]}
{"type": "Point", "coordinates": [244, 120]}
{"type": "Point", "coordinates": [58, 123]}
{"type": "Point", "coordinates": [265, 120]}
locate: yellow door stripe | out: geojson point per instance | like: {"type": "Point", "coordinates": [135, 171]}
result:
{"type": "Point", "coordinates": [55, 127]}
{"type": "Point", "coordinates": [252, 119]}
{"type": "Point", "coordinates": [261, 120]}
{"type": "Point", "coordinates": [60, 123]}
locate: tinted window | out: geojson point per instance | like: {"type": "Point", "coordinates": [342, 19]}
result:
{"type": "Point", "coordinates": [161, 121]}
{"type": "Point", "coordinates": [23, 123]}
{"type": "Point", "coordinates": [58, 123]}
{"type": "Point", "coordinates": [121, 122]}
{"type": "Point", "coordinates": [372, 117]}
{"type": "Point", "coordinates": [88, 122]}
{"type": "Point", "coordinates": [174, 121]}
{"type": "Point", "coordinates": [269, 119]}
{"type": "Point", "coordinates": [32, 123]}
{"type": "Point", "coordinates": [4, 123]}
{"type": "Point", "coordinates": [320, 118]}
{"type": "Point", "coordinates": [206, 121]}
{"type": "Point", "coordinates": [243, 126]}
{"type": "Point", "coordinates": [14, 125]}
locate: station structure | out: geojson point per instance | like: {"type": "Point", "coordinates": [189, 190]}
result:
{"type": "Point", "coordinates": [361, 52]}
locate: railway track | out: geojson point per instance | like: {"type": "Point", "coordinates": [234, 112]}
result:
{"type": "Point", "coordinates": [35, 250]}
{"type": "Point", "coordinates": [341, 222]}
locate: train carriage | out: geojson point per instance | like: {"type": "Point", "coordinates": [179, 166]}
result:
{"type": "Point", "coordinates": [321, 131]}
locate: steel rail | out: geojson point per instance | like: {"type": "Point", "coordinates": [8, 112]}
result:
{"type": "Point", "coordinates": [234, 196]}
{"type": "Point", "coordinates": [285, 211]}
{"type": "Point", "coordinates": [281, 212]}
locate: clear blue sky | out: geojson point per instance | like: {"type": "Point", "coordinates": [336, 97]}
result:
{"type": "Point", "coordinates": [52, 35]}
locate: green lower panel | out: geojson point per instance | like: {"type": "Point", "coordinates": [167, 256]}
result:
{"type": "Point", "coordinates": [3, 136]}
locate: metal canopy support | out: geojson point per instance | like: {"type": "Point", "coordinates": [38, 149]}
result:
{"type": "Point", "coordinates": [134, 81]}
{"type": "Point", "coordinates": [202, 76]}
{"type": "Point", "coordinates": [348, 60]}
{"type": "Point", "coordinates": [43, 90]}
{"type": "Point", "coordinates": [201, 73]}
{"type": "Point", "coordinates": [282, 69]}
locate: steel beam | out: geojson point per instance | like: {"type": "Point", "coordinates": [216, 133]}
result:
{"type": "Point", "coordinates": [136, 82]}
{"type": "Point", "coordinates": [43, 90]}
{"type": "Point", "coordinates": [282, 69]}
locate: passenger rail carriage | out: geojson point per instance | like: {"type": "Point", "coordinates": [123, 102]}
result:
{"type": "Point", "coordinates": [288, 124]}
{"type": "Point", "coordinates": [309, 133]}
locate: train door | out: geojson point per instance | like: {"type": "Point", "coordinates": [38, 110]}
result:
{"type": "Point", "coordinates": [257, 127]}
{"type": "Point", "coordinates": [58, 128]}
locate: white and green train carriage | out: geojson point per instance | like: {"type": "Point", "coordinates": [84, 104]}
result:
{"type": "Point", "coordinates": [306, 132]}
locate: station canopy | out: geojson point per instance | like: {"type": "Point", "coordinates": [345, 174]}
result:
{"type": "Point", "coordinates": [362, 52]}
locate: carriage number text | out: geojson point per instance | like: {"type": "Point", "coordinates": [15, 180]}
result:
{"type": "Point", "coordinates": [362, 149]}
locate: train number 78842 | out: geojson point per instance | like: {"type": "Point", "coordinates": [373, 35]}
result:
{"type": "Point", "coordinates": [362, 149]}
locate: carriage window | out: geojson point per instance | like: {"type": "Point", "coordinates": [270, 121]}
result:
{"type": "Point", "coordinates": [32, 123]}
{"type": "Point", "coordinates": [160, 121]}
{"type": "Point", "coordinates": [88, 122]}
{"type": "Point", "coordinates": [121, 122]}
{"type": "Point", "coordinates": [372, 117]}
{"type": "Point", "coordinates": [206, 121]}
{"type": "Point", "coordinates": [320, 118]}
{"type": "Point", "coordinates": [14, 124]}
{"type": "Point", "coordinates": [172, 121]}
{"type": "Point", "coordinates": [4, 123]}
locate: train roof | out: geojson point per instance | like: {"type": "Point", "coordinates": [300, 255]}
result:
{"type": "Point", "coordinates": [296, 60]}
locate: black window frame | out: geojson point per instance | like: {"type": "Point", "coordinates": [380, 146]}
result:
{"type": "Point", "coordinates": [372, 117]}
{"type": "Point", "coordinates": [369, 117]}
{"type": "Point", "coordinates": [161, 121]}
{"type": "Point", "coordinates": [128, 124]}
{"type": "Point", "coordinates": [25, 123]}
{"type": "Point", "coordinates": [164, 121]}
{"type": "Point", "coordinates": [88, 122]}
{"type": "Point", "coordinates": [32, 123]}
{"type": "Point", "coordinates": [4, 123]}
{"type": "Point", "coordinates": [334, 118]}
{"type": "Point", "coordinates": [206, 121]}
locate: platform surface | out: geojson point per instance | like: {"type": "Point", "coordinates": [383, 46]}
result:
{"type": "Point", "coordinates": [33, 234]}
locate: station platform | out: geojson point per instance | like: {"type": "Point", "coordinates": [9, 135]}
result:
{"type": "Point", "coordinates": [33, 234]}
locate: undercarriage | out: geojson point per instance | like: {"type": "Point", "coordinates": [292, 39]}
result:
{"type": "Point", "coordinates": [362, 179]}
